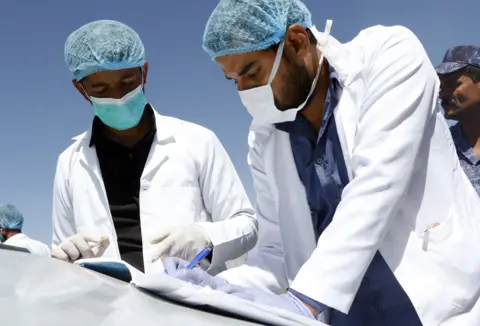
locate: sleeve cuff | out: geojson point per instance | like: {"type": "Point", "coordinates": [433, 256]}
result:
{"type": "Point", "coordinates": [230, 239]}
{"type": "Point", "coordinates": [216, 257]}
{"type": "Point", "coordinates": [312, 303]}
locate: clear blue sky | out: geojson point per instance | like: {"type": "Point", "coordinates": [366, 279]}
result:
{"type": "Point", "coordinates": [42, 111]}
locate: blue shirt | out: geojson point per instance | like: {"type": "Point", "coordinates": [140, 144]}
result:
{"type": "Point", "coordinates": [319, 160]}
{"type": "Point", "coordinates": [469, 161]}
{"type": "Point", "coordinates": [321, 168]}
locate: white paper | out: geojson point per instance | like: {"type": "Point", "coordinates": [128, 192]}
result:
{"type": "Point", "coordinates": [179, 291]}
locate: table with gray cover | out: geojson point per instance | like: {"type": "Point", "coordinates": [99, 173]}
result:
{"type": "Point", "coordinates": [40, 291]}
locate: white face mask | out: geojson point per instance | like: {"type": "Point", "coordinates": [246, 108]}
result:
{"type": "Point", "coordinates": [260, 101]}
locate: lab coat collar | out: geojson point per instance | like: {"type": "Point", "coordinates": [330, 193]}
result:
{"type": "Point", "coordinates": [158, 153]}
{"type": "Point", "coordinates": [165, 130]}
{"type": "Point", "coordinates": [17, 236]}
{"type": "Point", "coordinates": [98, 126]}
{"type": "Point", "coordinates": [346, 65]}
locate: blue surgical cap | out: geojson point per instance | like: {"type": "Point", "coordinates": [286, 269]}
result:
{"type": "Point", "coordinates": [103, 45]}
{"type": "Point", "coordinates": [10, 218]}
{"type": "Point", "coordinates": [239, 26]}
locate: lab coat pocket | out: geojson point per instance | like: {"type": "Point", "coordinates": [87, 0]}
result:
{"type": "Point", "coordinates": [455, 258]}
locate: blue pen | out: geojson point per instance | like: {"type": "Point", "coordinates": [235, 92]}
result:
{"type": "Point", "coordinates": [204, 253]}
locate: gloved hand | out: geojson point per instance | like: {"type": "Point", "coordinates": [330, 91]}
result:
{"type": "Point", "coordinates": [177, 268]}
{"type": "Point", "coordinates": [183, 242]}
{"type": "Point", "coordinates": [81, 246]}
{"type": "Point", "coordinates": [286, 301]}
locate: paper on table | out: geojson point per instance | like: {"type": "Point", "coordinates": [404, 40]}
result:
{"type": "Point", "coordinates": [171, 288]}
{"type": "Point", "coordinates": [165, 286]}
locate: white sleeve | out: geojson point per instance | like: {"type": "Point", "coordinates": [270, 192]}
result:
{"type": "Point", "coordinates": [63, 222]}
{"type": "Point", "coordinates": [400, 99]}
{"type": "Point", "coordinates": [265, 266]}
{"type": "Point", "coordinates": [233, 230]}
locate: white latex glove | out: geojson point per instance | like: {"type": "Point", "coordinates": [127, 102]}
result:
{"type": "Point", "coordinates": [80, 246]}
{"type": "Point", "coordinates": [183, 242]}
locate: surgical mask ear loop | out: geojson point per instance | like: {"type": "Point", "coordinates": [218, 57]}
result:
{"type": "Point", "coordinates": [85, 93]}
{"type": "Point", "coordinates": [278, 57]}
{"type": "Point", "coordinates": [276, 63]}
{"type": "Point", "coordinates": [143, 85]}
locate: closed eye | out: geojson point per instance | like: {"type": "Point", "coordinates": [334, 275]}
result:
{"type": "Point", "coordinates": [129, 80]}
{"type": "Point", "coordinates": [99, 90]}
{"type": "Point", "coordinates": [231, 79]}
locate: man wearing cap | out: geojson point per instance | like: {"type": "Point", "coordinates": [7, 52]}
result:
{"type": "Point", "coordinates": [362, 213]}
{"type": "Point", "coordinates": [460, 97]}
{"type": "Point", "coordinates": [154, 185]}
{"type": "Point", "coordinates": [11, 225]}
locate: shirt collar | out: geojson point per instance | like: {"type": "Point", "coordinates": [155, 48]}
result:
{"type": "Point", "coordinates": [98, 125]}
{"type": "Point", "coordinates": [463, 145]}
{"type": "Point", "coordinates": [331, 101]}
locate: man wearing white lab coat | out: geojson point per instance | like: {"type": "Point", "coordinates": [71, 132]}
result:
{"type": "Point", "coordinates": [11, 225]}
{"type": "Point", "coordinates": [406, 203]}
{"type": "Point", "coordinates": [150, 185]}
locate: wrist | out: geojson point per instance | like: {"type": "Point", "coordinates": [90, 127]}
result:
{"type": "Point", "coordinates": [314, 307]}
{"type": "Point", "coordinates": [301, 307]}
{"type": "Point", "coordinates": [314, 312]}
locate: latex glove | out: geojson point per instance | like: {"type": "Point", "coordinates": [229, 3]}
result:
{"type": "Point", "coordinates": [176, 267]}
{"type": "Point", "coordinates": [81, 246]}
{"type": "Point", "coordinates": [286, 301]}
{"type": "Point", "coordinates": [183, 242]}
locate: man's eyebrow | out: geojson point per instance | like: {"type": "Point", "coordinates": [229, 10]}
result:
{"type": "Point", "coordinates": [247, 68]}
{"type": "Point", "coordinates": [104, 84]}
{"type": "Point", "coordinates": [244, 70]}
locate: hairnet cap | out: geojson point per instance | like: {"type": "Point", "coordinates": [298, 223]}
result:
{"type": "Point", "coordinates": [103, 45]}
{"type": "Point", "coordinates": [239, 26]}
{"type": "Point", "coordinates": [10, 217]}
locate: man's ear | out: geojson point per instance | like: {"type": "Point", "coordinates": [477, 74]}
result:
{"type": "Point", "coordinates": [80, 89]}
{"type": "Point", "coordinates": [145, 72]}
{"type": "Point", "coordinates": [297, 42]}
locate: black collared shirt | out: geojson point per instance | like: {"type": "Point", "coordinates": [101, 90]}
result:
{"type": "Point", "coordinates": [122, 168]}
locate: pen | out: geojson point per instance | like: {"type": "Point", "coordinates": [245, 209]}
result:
{"type": "Point", "coordinates": [204, 253]}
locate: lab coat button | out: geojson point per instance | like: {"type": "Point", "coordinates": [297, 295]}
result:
{"type": "Point", "coordinates": [145, 186]}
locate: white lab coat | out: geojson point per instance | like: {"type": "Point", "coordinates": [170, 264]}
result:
{"type": "Point", "coordinates": [404, 175]}
{"type": "Point", "coordinates": [188, 178]}
{"type": "Point", "coordinates": [35, 247]}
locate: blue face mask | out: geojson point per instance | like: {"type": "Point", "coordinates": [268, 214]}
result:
{"type": "Point", "coordinates": [2, 238]}
{"type": "Point", "coordinates": [123, 113]}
